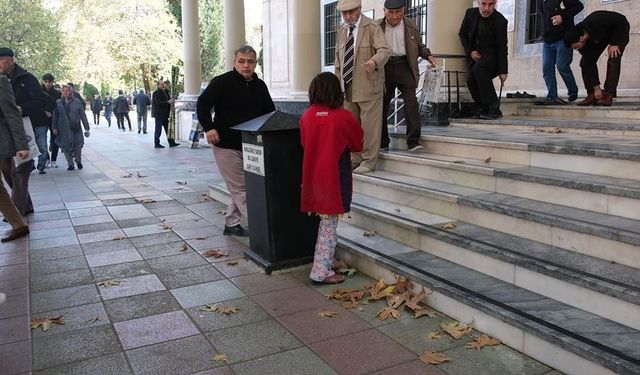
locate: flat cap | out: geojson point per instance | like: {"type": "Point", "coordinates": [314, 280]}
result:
{"type": "Point", "coordinates": [394, 4]}
{"type": "Point", "coordinates": [4, 51]}
{"type": "Point", "coordinates": [348, 5]}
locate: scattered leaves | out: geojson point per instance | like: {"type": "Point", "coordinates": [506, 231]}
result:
{"type": "Point", "coordinates": [201, 238]}
{"type": "Point", "coordinates": [94, 319]}
{"type": "Point", "coordinates": [449, 226]}
{"type": "Point", "coordinates": [140, 176]}
{"type": "Point", "coordinates": [46, 323]}
{"type": "Point", "coordinates": [216, 253]}
{"type": "Point", "coordinates": [350, 297]}
{"type": "Point", "coordinates": [232, 262]}
{"type": "Point", "coordinates": [222, 310]}
{"type": "Point", "coordinates": [457, 329]}
{"type": "Point", "coordinates": [327, 314]}
{"type": "Point", "coordinates": [424, 311]}
{"type": "Point", "coordinates": [458, 161]}
{"type": "Point", "coordinates": [349, 271]}
{"type": "Point", "coordinates": [380, 290]}
{"type": "Point", "coordinates": [110, 283]}
{"type": "Point", "coordinates": [118, 238]}
{"type": "Point", "coordinates": [403, 284]}
{"type": "Point", "coordinates": [369, 233]}
{"type": "Point", "coordinates": [481, 341]}
{"type": "Point", "coordinates": [219, 358]}
{"type": "Point", "coordinates": [434, 358]}
{"type": "Point", "coordinates": [204, 198]}
{"type": "Point", "coordinates": [487, 160]}
{"type": "Point", "coordinates": [127, 175]}
{"type": "Point", "coordinates": [434, 335]}
{"type": "Point", "coordinates": [552, 130]}
{"type": "Point", "coordinates": [413, 303]}
{"type": "Point", "coordinates": [146, 200]}
{"type": "Point", "coordinates": [184, 247]}
{"type": "Point", "coordinates": [388, 312]}
{"type": "Point", "coordinates": [167, 226]}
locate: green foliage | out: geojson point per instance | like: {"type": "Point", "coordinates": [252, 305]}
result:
{"type": "Point", "coordinates": [211, 36]}
{"type": "Point", "coordinates": [105, 90]}
{"type": "Point", "coordinates": [33, 33]}
{"type": "Point", "coordinates": [89, 91]}
{"type": "Point", "coordinates": [175, 9]}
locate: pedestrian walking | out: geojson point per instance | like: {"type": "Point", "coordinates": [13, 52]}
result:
{"type": "Point", "coordinates": [107, 103]}
{"type": "Point", "coordinates": [68, 119]}
{"type": "Point", "coordinates": [96, 108]}
{"type": "Point", "coordinates": [121, 109]}
{"type": "Point", "coordinates": [142, 103]}
{"type": "Point", "coordinates": [48, 85]}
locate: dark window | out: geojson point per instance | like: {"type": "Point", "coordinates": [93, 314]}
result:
{"type": "Point", "coordinates": [417, 11]}
{"type": "Point", "coordinates": [332, 20]}
{"type": "Point", "coordinates": [533, 23]}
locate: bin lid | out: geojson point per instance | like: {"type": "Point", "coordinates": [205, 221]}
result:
{"type": "Point", "coordinates": [273, 121]}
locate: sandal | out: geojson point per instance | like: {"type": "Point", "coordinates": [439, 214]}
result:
{"type": "Point", "coordinates": [333, 279]}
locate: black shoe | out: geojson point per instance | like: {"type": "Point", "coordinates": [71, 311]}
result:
{"type": "Point", "coordinates": [15, 234]}
{"type": "Point", "coordinates": [70, 168]}
{"type": "Point", "coordinates": [236, 230]}
{"type": "Point", "coordinates": [158, 146]}
{"type": "Point", "coordinates": [573, 98]}
{"type": "Point", "coordinates": [79, 165]}
{"type": "Point", "coordinates": [138, 131]}
{"type": "Point", "coordinates": [493, 115]}
{"type": "Point", "coordinates": [41, 171]}
{"type": "Point", "coordinates": [130, 129]}
{"type": "Point", "coordinates": [144, 132]}
{"type": "Point", "coordinates": [174, 144]}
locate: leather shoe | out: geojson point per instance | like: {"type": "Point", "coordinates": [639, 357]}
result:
{"type": "Point", "coordinates": [158, 146]}
{"type": "Point", "coordinates": [333, 279]}
{"type": "Point", "coordinates": [589, 100]}
{"type": "Point", "coordinates": [15, 234]}
{"type": "Point", "coordinates": [607, 100]}
{"type": "Point", "coordinates": [79, 165]}
{"type": "Point", "coordinates": [235, 230]}
{"type": "Point", "coordinates": [174, 144]}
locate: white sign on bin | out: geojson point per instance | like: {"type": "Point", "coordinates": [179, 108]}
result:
{"type": "Point", "coordinates": [253, 158]}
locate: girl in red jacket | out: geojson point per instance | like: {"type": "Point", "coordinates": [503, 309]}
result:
{"type": "Point", "coordinates": [328, 134]}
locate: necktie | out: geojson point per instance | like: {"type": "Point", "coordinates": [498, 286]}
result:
{"type": "Point", "coordinates": [347, 72]}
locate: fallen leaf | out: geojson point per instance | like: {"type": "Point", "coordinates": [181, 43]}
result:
{"type": "Point", "coordinates": [193, 170]}
{"type": "Point", "coordinates": [219, 358]}
{"type": "Point", "coordinates": [398, 210]}
{"type": "Point", "coordinates": [349, 271]}
{"type": "Point", "coordinates": [424, 311]}
{"type": "Point", "coordinates": [457, 329]}
{"type": "Point", "coordinates": [110, 283]}
{"type": "Point", "coordinates": [434, 358]}
{"type": "Point", "coordinates": [449, 226]}
{"type": "Point", "coordinates": [181, 182]}
{"type": "Point", "coordinates": [118, 238]}
{"type": "Point", "coordinates": [201, 238]}
{"type": "Point", "coordinates": [413, 302]}
{"type": "Point", "coordinates": [204, 199]}
{"type": "Point", "coordinates": [94, 319]}
{"type": "Point", "coordinates": [146, 200]}
{"type": "Point", "coordinates": [140, 176]}
{"type": "Point", "coordinates": [184, 247]}
{"type": "Point", "coordinates": [46, 323]}
{"type": "Point", "coordinates": [379, 290]}
{"type": "Point", "coordinates": [127, 176]}
{"type": "Point", "coordinates": [434, 335]}
{"type": "Point", "coordinates": [222, 310]}
{"type": "Point", "coordinates": [327, 314]}
{"type": "Point", "coordinates": [180, 188]}
{"type": "Point", "coordinates": [350, 297]}
{"type": "Point", "coordinates": [403, 284]}
{"type": "Point", "coordinates": [388, 312]}
{"type": "Point", "coordinates": [488, 160]}
{"type": "Point", "coordinates": [222, 212]}
{"type": "Point", "coordinates": [369, 233]}
{"type": "Point", "coordinates": [396, 300]}
{"type": "Point", "coordinates": [216, 253]}
{"type": "Point", "coordinates": [481, 341]}
{"type": "Point", "coordinates": [232, 263]}
{"type": "Point", "coordinates": [458, 161]}
{"type": "Point", "coordinates": [553, 130]}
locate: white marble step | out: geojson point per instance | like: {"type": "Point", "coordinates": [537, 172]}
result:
{"type": "Point", "coordinates": [618, 110]}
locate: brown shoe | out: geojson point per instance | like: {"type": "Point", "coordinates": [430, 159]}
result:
{"type": "Point", "coordinates": [606, 101]}
{"type": "Point", "coordinates": [589, 100]}
{"type": "Point", "coordinates": [15, 234]}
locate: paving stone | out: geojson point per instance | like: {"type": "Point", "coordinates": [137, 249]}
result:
{"type": "Point", "coordinates": [174, 262]}
{"type": "Point", "coordinates": [154, 329]}
{"type": "Point", "coordinates": [100, 236]}
{"type": "Point", "coordinates": [243, 267]}
{"type": "Point", "coordinates": [203, 231]}
{"type": "Point", "coordinates": [361, 352]}
{"type": "Point", "coordinates": [114, 364]}
{"type": "Point", "coordinates": [169, 210]}
{"type": "Point", "coordinates": [132, 286]}
{"type": "Point", "coordinates": [84, 204]}
{"type": "Point", "coordinates": [53, 242]}
{"type": "Point", "coordinates": [202, 294]}
{"type": "Point", "coordinates": [235, 252]}
{"type": "Point", "coordinates": [186, 217]}
{"type": "Point", "coordinates": [100, 227]}
{"type": "Point", "coordinates": [144, 230]}
{"type": "Point", "coordinates": [10, 259]}
{"type": "Point", "coordinates": [107, 246]}
{"type": "Point", "coordinates": [62, 298]}
{"type": "Point", "coordinates": [14, 329]}
{"type": "Point", "coordinates": [211, 242]}
{"type": "Point", "coordinates": [155, 239]}
{"type": "Point", "coordinates": [130, 211]}
{"type": "Point", "coordinates": [182, 356]}
{"type": "Point", "coordinates": [291, 300]}
{"type": "Point", "coordinates": [309, 327]}
{"type": "Point", "coordinates": [91, 211]}
{"type": "Point", "coordinates": [48, 207]}
{"type": "Point", "coordinates": [47, 216]}
{"type": "Point", "coordinates": [491, 360]}
{"type": "Point", "coordinates": [51, 233]}
{"type": "Point", "coordinates": [14, 287]}
{"type": "Point", "coordinates": [259, 283]}
{"type": "Point", "coordinates": [267, 337]}
{"type": "Point", "coordinates": [217, 371]}
{"type": "Point", "coordinates": [122, 270]}
{"type": "Point", "coordinates": [112, 257]}
{"type": "Point", "coordinates": [52, 253]}
{"type": "Point", "coordinates": [17, 271]}
{"type": "Point", "coordinates": [139, 306]}
{"type": "Point", "coordinates": [207, 321]}
{"type": "Point", "coordinates": [17, 305]}
{"type": "Point", "coordinates": [189, 276]}
{"type": "Point", "coordinates": [75, 318]}
{"type": "Point", "coordinates": [41, 283]}
{"type": "Point", "coordinates": [416, 367]}
{"type": "Point", "coordinates": [74, 346]}
{"type": "Point", "coordinates": [92, 219]}
{"type": "Point", "coordinates": [404, 331]}
{"type": "Point", "coordinates": [15, 358]}
{"type": "Point", "coordinates": [164, 249]}
{"type": "Point", "coordinates": [51, 224]}
{"type": "Point", "coordinates": [58, 265]}
{"type": "Point", "coordinates": [297, 361]}
{"type": "Point", "coordinates": [120, 201]}
{"type": "Point", "coordinates": [132, 223]}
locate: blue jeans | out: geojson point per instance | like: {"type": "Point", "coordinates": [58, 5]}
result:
{"type": "Point", "coordinates": [41, 141]}
{"type": "Point", "coordinates": [558, 55]}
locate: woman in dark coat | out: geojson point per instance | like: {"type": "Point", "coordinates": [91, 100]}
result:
{"type": "Point", "coordinates": [68, 116]}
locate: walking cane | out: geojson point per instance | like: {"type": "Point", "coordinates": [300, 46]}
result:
{"type": "Point", "coordinates": [500, 96]}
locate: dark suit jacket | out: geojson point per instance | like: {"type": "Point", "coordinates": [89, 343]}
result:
{"type": "Point", "coordinates": [549, 8]}
{"type": "Point", "coordinates": [606, 28]}
{"type": "Point", "coordinates": [495, 41]}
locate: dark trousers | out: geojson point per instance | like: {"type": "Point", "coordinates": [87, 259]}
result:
{"type": "Point", "coordinates": [18, 181]}
{"type": "Point", "coordinates": [142, 120]}
{"type": "Point", "coordinates": [480, 75]}
{"type": "Point", "coordinates": [120, 119]}
{"type": "Point", "coordinates": [398, 75]}
{"type": "Point", "coordinates": [96, 118]}
{"type": "Point", "coordinates": [589, 66]}
{"type": "Point", "coordinates": [162, 122]}
{"type": "Point", "coordinates": [53, 147]}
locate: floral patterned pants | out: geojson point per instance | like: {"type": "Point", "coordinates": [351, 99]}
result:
{"type": "Point", "coordinates": [325, 248]}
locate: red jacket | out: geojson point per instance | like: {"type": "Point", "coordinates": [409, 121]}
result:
{"type": "Point", "coordinates": [328, 136]}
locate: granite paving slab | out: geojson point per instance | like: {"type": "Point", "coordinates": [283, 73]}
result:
{"type": "Point", "coordinates": [14, 287]}
{"type": "Point", "coordinates": [173, 262]}
{"type": "Point", "coordinates": [9, 259]}
{"type": "Point", "coordinates": [39, 234]}
{"type": "Point", "coordinates": [15, 358]}
{"type": "Point", "coordinates": [121, 270]}
{"type": "Point", "coordinates": [141, 305]}
{"type": "Point", "coordinates": [163, 250]}
{"type": "Point", "coordinates": [47, 216]}
{"type": "Point", "coordinates": [154, 329]}
{"type": "Point", "coordinates": [62, 298]}
{"type": "Point", "coordinates": [14, 330]}
{"type": "Point", "coordinates": [132, 286]}
{"type": "Point", "coordinates": [292, 300]}
{"type": "Point", "coordinates": [242, 267]}
{"type": "Point", "coordinates": [259, 283]}
{"type": "Point", "coordinates": [177, 218]}
{"type": "Point", "coordinates": [202, 294]}
{"type": "Point", "coordinates": [130, 223]}
{"type": "Point", "coordinates": [412, 334]}
{"type": "Point", "coordinates": [309, 327]}
{"type": "Point", "coordinates": [189, 276]}
{"type": "Point", "coordinates": [144, 230]}
{"type": "Point", "coordinates": [296, 361]}
{"type": "Point", "coordinates": [208, 321]}
{"type": "Point", "coordinates": [155, 239]}
{"type": "Point", "coordinates": [51, 224]}
{"type": "Point", "coordinates": [41, 283]}
{"type": "Point", "coordinates": [91, 211]}
{"type": "Point", "coordinates": [17, 271]}
{"type": "Point", "coordinates": [107, 246]}
{"type": "Point", "coordinates": [416, 367]}
{"type": "Point", "coordinates": [211, 242]}
{"type": "Point", "coordinates": [113, 364]}
{"type": "Point", "coordinates": [52, 253]}
{"type": "Point", "coordinates": [491, 360]}
{"type": "Point", "coordinates": [100, 236]}
{"type": "Point", "coordinates": [106, 218]}
{"type": "Point", "coordinates": [17, 305]}
{"type": "Point", "coordinates": [130, 211]}
{"type": "Point", "coordinates": [53, 242]}
{"type": "Point", "coordinates": [112, 257]}
{"type": "Point", "coordinates": [84, 204]}
{"type": "Point", "coordinates": [75, 318]}
{"type": "Point", "coordinates": [91, 228]}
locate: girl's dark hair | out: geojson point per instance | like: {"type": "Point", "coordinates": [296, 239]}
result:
{"type": "Point", "coordinates": [325, 90]}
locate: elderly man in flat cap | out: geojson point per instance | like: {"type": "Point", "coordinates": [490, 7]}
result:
{"type": "Point", "coordinates": [360, 57]}
{"type": "Point", "coordinates": [401, 71]}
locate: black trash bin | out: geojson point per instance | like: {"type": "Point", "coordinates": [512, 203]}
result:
{"type": "Point", "coordinates": [280, 235]}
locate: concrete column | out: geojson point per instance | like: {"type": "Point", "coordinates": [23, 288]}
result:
{"type": "Point", "coordinates": [306, 44]}
{"type": "Point", "coordinates": [191, 47]}
{"type": "Point", "coordinates": [234, 34]}
{"type": "Point", "coordinates": [443, 23]}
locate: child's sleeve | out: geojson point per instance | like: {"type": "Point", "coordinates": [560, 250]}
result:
{"type": "Point", "coordinates": [354, 132]}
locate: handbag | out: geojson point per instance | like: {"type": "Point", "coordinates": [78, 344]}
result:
{"type": "Point", "coordinates": [73, 125]}
{"type": "Point", "coordinates": [34, 151]}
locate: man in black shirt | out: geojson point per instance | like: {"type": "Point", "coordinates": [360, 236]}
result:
{"type": "Point", "coordinates": [47, 86]}
{"type": "Point", "coordinates": [235, 97]}
{"type": "Point", "coordinates": [161, 101]}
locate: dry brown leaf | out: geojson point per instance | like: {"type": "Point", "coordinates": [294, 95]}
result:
{"type": "Point", "coordinates": [204, 199]}
{"type": "Point", "coordinates": [184, 247]}
{"type": "Point", "coordinates": [216, 253]}
{"type": "Point", "coordinates": [413, 303]}
{"type": "Point", "coordinates": [219, 358]}
{"type": "Point", "coordinates": [388, 312]}
{"type": "Point", "coordinates": [167, 226]}
{"type": "Point", "coordinates": [232, 263]}
{"type": "Point", "coordinates": [396, 300]}
{"type": "Point", "coordinates": [222, 310]}
{"type": "Point", "coordinates": [110, 283]}
{"type": "Point", "coordinates": [369, 233]}
{"type": "Point", "coordinates": [119, 238]}
{"type": "Point", "coordinates": [424, 311]}
{"type": "Point", "coordinates": [146, 200]}
{"type": "Point", "coordinates": [457, 329]}
{"type": "Point", "coordinates": [181, 182]}
{"type": "Point", "coordinates": [552, 130]}
{"type": "Point", "coordinates": [126, 176]}
{"type": "Point", "coordinates": [481, 341]}
{"type": "Point", "coordinates": [449, 226]}
{"type": "Point", "coordinates": [201, 238]}
{"type": "Point", "coordinates": [46, 323]}
{"type": "Point", "coordinates": [327, 314]}
{"type": "Point", "coordinates": [94, 319]}
{"type": "Point", "coordinates": [434, 335]}
{"type": "Point", "coordinates": [403, 284]}
{"type": "Point", "coordinates": [350, 297]}
{"type": "Point", "coordinates": [380, 290]}
{"type": "Point", "coordinates": [434, 358]}
{"type": "Point", "coordinates": [458, 161]}
{"type": "Point", "coordinates": [488, 160]}
{"type": "Point", "coordinates": [222, 212]}
{"type": "Point", "coordinates": [140, 176]}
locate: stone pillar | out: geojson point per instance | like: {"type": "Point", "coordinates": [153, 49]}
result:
{"type": "Point", "coordinates": [234, 34]}
{"type": "Point", "coordinates": [191, 47]}
{"type": "Point", "coordinates": [306, 45]}
{"type": "Point", "coordinates": [443, 23]}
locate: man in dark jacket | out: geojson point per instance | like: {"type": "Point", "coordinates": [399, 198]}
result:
{"type": "Point", "coordinates": [13, 143]}
{"type": "Point", "coordinates": [96, 108]}
{"type": "Point", "coordinates": [160, 110]}
{"type": "Point", "coordinates": [47, 86]}
{"type": "Point", "coordinates": [142, 103]}
{"type": "Point", "coordinates": [401, 71]}
{"type": "Point", "coordinates": [107, 103]}
{"type": "Point", "coordinates": [235, 97]}
{"type": "Point", "coordinates": [121, 110]}
{"type": "Point", "coordinates": [590, 37]}
{"type": "Point", "coordinates": [483, 35]}
{"type": "Point", "coordinates": [557, 18]}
